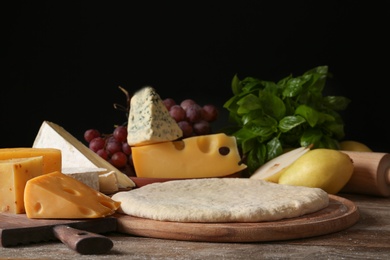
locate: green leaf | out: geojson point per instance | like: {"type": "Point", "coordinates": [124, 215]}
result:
{"type": "Point", "coordinates": [336, 102]}
{"type": "Point", "coordinates": [309, 114]}
{"type": "Point", "coordinates": [311, 136]}
{"type": "Point", "coordinates": [289, 122]}
{"type": "Point", "coordinates": [247, 104]}
{"type": "Point", "coordinates": [274, 148]}
{"type": "Point", "coordinates": [272, 105]}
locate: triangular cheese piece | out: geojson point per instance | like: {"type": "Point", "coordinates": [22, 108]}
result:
{"type": "Point", "coordinates": [56, 195]}
{"type": "Point", "coordinates": [149, 120]}
{"type": "Point", "coordinates": [75, 153]}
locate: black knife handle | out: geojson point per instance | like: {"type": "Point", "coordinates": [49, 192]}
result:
{"type": "Point", "coordinates": [81, 241]}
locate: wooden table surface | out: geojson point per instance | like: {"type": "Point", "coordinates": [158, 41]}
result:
{"type": "Point", "coordinates": [369, 238]}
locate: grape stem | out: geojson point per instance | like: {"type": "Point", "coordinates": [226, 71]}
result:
{"type": "Point", "coordinates": [121, 107]}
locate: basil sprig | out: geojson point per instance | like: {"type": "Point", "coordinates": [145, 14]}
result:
{"type": "Point", "coordinates": [268, 117]}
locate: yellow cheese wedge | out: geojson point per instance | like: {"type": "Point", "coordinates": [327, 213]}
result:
{"type": "Point", "coordinates": [52, 160]}
{"type": "Point", "coordinates": [74, 153]}
{"type": "Point", "coordinates": [56, 195]}
{"type": "Point", "coordinates": [212, 155]}
{"type": "Point", "coordinates": [14, 174]}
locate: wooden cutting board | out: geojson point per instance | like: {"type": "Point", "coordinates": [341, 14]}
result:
{"type": "Point", "coordinates": [340, 214]}
{"type": "Point", "coordinates": [79, 234]}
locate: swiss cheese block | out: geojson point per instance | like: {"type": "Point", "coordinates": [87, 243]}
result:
{"type": "Point", "coordinates": [149, 120]}
{"type": "Point", "coordinates": [56, 195]}
{"type": "Point", "coordinates": [52, 160]}
{"type": "Point", "coordinates": [212, 155]}
{"type": "Point", "coordinates": [14, 174]}
{"type": "Point", "coordinates": [74, 153]}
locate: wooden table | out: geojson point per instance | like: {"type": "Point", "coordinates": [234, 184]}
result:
{"type": "Point", "coordinates": [369, 238]}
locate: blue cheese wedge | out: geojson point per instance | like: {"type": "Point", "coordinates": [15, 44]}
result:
{"type": "Point", "coordinates": [149, 120]}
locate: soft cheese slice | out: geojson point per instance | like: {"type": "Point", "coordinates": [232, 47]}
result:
{"type": "Point", "coordinates": [212, 155]}
{"type": "Point", "coordinates": [108, 183]}
{"type": "Point", "coordinates": [149, 120]}
{"type": "Point", "coordinates": [75, 153]}
{"type": "Point", "coordinates": [56, 195]}
{"type": "Point", "coordinates": [89, 176]}
{"type": "Point", "coordinates": [14, 174]}
{"type": "Point", "coordinates": [51, 160]}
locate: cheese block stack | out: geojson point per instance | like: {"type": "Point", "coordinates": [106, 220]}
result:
{"type": "Point", "coordinates": [157, 151]}
{"type": "Point", "coordinates": [31, 182]}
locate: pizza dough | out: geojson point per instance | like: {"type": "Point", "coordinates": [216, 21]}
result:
{"type": "Point", "coordinates": [220, 200]}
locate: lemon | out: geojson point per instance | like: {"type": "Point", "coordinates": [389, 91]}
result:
{"type": "Point", "coordinates": [327, 169]}
{"type": "Point", "coordinates": [355, 146]}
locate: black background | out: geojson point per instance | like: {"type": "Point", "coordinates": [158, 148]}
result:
{"type": "Point", "coordinates": [64, 61]}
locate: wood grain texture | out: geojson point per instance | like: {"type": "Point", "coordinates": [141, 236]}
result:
{"type": "Point", "coordinates": [17, 229]}
{"type": "Point", "coordinates": [371, 175]}
{"type": "Point", "coordinates": [340, 214]}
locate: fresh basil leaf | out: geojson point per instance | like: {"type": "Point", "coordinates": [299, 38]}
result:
{"type": "Point", "coordinates": [311, 136]}
{"type": "Point", "coordinates": [309, 114]}
{"type": "Point", "coordinates": [289, 122]}
{"type": "Point", "coordinates": [337, 103]}
{"type": "Point", "coordinates": [272, 105]}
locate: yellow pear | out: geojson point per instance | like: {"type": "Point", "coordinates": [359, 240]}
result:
{"type": "Point", "coordinates": [327, 169]}
{"type": "Point", "coordinates": [350, 145]}
{"type": "Point", "coordinates": [272, 170]}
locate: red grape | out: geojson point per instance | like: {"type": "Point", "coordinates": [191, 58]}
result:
{"type": "Point", "coordinates": [178, 113]}
{"type": "Point", "coordinates": [113, 146]}
{"type": "Point", "coordinates": [186, 103]}
{"type": "Point", "coordinates": [202, 128]}
{"type": "Point", "coordinates": [120, 133]}
{"type": "Point", "coordinates": [169, 102]}
{"type": "Point", "coordinates": [97, 143]}
{"type": "Point", "coordinates": [193, 113]}
{"type": "Point", "coordinates": [118, 159]}
{"type": "Point", "coordinates": [102, 153]}
{"type": "Point", "coordinates": [126, 148]}
{"type": "Point", "coordinates": [91, 134]}
{"type": "Point", "coordinates": [186, 127]}
{"type": "Point", "coordinates": [209, 113]}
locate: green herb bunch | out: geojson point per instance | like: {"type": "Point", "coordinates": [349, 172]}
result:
{"type": "Point", "coordinates": [269, 117]}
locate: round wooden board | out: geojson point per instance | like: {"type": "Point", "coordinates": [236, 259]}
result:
{"type": "Point", "coordinates": [340, 214]}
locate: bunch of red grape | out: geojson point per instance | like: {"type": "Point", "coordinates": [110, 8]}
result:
{"type": "Point", "coordinates": [113, 147]}
{"type": "Point", "coordinates": [192, 118]}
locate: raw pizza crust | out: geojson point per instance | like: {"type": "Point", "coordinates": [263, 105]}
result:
{"type": "Point", "coordinates": [220, 200]}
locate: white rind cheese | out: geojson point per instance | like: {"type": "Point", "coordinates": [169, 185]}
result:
{"type": "Point", "coordinates": [74, 153]}
{"type": "Point", "coordinates": [108, 183]}
{"type": "Point", "coordinates": [149, 120]}
{"type": "Point", "coordinates": [88, 176]}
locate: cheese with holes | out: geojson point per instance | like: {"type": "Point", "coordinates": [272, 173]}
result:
{"type": "Point", "coordinates": [51, 160]}
{"type": "Point", "coordinates": [213, 155]}
{"type": "Point", "coordinates": [14, 174]}
{"type": "Point", "coordinates": [74, 153]}
{"type": "Point", "coordinates": [149, 120]}
{"type": "Point", "coordinates": [56, 195]}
